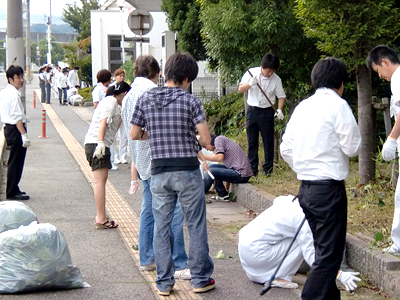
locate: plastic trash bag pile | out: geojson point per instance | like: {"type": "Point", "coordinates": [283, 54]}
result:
{"type": "Point", "coordinates": [33, 257]}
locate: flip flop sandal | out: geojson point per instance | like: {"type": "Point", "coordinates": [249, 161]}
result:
{"type": "Point", "coordinates": [106, 225]}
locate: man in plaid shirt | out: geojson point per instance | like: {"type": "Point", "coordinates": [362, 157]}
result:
{"type": "Point", "coordinates": [170, 116]}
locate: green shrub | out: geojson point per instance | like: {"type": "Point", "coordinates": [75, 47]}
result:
{"type": "Point", "coordinates": [86, 93]}
{"type": "Point", "coordinates": [226, 116]}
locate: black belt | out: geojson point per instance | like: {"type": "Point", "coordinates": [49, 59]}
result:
{"type": "Point", "coordinates": [260, 108]}
{"type": "Point", "coordinates": [323, 182]}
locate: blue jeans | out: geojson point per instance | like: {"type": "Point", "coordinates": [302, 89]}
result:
{"type": "Point", "coordinates": [221, 174]}
{"type": "Point", "coordinates": [187, 188]}
{"type": "Point", "coordinates": [146, 232]}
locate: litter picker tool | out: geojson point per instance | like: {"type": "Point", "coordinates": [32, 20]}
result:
{"type": "Point", "coordinates": [262, 91]}
{"type": "Point", "coordinates": [267, 285]}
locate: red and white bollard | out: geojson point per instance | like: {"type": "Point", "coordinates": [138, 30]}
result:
{"type": "Point", "coordinates": [43, 124]}
{"type": "Point", "coordinates": [34, 99]}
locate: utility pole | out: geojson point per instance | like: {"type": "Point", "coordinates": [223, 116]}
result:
{"type": "Point", "coordinates": [28, 43]}
{"type": "Point", "coordinates": [49, 38]}
{"type": "Point", "coordinates": [15, 39]}
{"type": "Point", "coordinates": [121, 4]}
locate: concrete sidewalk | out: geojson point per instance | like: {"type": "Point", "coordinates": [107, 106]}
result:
{"type": "Point", "coordinates": [57, 177]}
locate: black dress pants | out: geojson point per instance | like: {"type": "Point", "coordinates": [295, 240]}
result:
{"type": "Point", "coordinates": [15, 161]}
{"type": "Point", "coordinates": [324, 203]}
{"type": "Point", "coordinates": [260, 120]}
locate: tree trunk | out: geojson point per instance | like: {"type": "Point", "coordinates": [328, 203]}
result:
{"type": "Point", "coordinates": [365, 123]}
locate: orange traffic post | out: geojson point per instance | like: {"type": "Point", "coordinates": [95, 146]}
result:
{"type": "Point", "coordinates": [34, 99]}
{"type": "Point", "coordinates": [43, 124]}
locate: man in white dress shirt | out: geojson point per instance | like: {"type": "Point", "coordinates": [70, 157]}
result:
{"type": "Point", "coordinates": [13, 116]}
{"type": "Point", "coordinates": [264, 241]}
{"type": "Point", "coordinates": [386, 63]}
{"type": "Point", "coordinates": [320, 136]}
{"type": "Point", "coordinates": [73, 78]}
{"type": "Point", "coordinates": [259, 113]}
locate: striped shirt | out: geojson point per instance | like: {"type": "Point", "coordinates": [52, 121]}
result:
{"type": "Point", "coordinates": [139, 151]}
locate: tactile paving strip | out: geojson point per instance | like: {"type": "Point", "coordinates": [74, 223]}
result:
{"type": "Point", "coordinates": [117, 208]}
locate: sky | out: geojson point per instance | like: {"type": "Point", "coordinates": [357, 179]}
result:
{"type": "Point", "coordinates": [39, 10]}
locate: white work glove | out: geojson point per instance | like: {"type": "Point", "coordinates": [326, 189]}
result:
{"type": "Point", "coordinates": [348, 280]}
{"type": "Point", "coordinates": [134, 187]}
{"type": "Point", "coordinates": [100, 150]}
{"type": "Point", "coordinates": [389, 149]}
{"type": "Point", "coordinates": [279, 114]}
{"type": "Point", "coordinates": [26, 142]}
{"type": "Point", "coordinates": [253, 81]}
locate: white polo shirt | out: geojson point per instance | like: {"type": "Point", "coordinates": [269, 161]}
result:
{"type": "Point", "coordinates": [272, 86]}
{"type": "Point", "coordinates": [11, 108]}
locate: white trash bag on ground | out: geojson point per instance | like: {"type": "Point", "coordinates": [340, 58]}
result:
{"type": "Point", "coordinates": [13, 214]}
{"type": "Point", "coordinates": [36, 257]}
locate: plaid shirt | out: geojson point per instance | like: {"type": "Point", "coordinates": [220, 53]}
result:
{"type": "Point", "coordinates": [170, 116]}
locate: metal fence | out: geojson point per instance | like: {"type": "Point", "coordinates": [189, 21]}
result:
{"type": "Point", "coordinates": [207, 87]}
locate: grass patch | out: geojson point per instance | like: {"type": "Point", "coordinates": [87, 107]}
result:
{"type": "Point", "coordinates": [370, 206]}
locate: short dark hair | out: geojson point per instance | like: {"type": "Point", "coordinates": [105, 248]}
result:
{"type": "Point", "coordinates": [118, 88]}
{"type": "Point", "coordinates": [329, 72]}
{"type": "Point", "coordinates": [103, 76]}
{"type": "Point", "coordinates": [378, 53]}
{"type": "Point", "coordinates": [146, 66]}
{"type": "Point", "coordinates": [76, 68]}
{"type": "Point", "coordinates": [213, 137]}
{"type": "Point", "coordinates": [180, 66]}
{"type": "Point", "coordinates": [270, 61]}
{"type": "Point", "coordinates": [12, 71]}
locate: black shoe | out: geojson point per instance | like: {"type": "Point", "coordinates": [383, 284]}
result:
{"type": "Point", "coordinates": [20, 197]}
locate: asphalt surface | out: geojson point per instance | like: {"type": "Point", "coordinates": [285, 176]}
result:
{"type": "Point", "coordinates": [61, 195]}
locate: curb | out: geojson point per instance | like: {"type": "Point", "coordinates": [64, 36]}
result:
{"type": "Point", "coordinates": [382, 269]}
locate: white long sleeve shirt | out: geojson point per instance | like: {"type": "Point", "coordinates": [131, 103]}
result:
{"type": "Point", "coordinates": [320, 136]}
{"type": "Point", "coordinates": [73, 79]}
{"type": "Point", "coordinates": [276, 224]}
{"type": "Point", "coordinates": [11, 108]}
{"type": "Point", "coordinates": [138, 150]}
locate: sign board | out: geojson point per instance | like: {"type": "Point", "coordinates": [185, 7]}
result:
{"type": "Point", "coordinates": [140, 22]}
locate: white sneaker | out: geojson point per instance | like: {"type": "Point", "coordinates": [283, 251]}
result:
{"type": "Point", "coordinates": [123, 161]}
{"type": "Point", "coordinates": [221, 199]}
{"type": "Point", "coordinates": [183, 274]}
{"type": "Point", "coordinates": [284, 285]}
{"type": "Point", "coordinates": [117, 161]}
{"type": "Point", "coordinates": [114, 167]}
{"type": "Point", "coordinates": [390, 250]}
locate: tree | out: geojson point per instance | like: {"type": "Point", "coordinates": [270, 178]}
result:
{"type": "Point", "coordinates": [57, 51]}
{"type": "Point", "coordinates": [349, 30]}
{"type": "Point", "coordinates": [183, 17]}
{"type": "Point", "coordinates": [79, 17]}
{"type": "Point", "coordinates": [237, 31]}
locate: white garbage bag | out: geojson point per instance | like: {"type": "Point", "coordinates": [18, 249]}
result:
{"type": "Point", "coordinates": [36, 257]}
